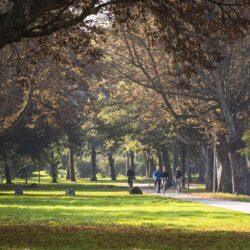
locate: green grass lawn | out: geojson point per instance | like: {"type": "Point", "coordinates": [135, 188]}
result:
{"type": "Point", "coordinates": [103, 215]}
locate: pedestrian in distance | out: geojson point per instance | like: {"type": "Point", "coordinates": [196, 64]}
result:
{"type": "Point", "coordinates": [178, 178]}
{"type": "Point", "coordinates": [131, 176]}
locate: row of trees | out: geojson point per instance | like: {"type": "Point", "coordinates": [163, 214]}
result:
{"type": "Point", "coordinates": [205, 106]}
{"type": "Point", "coordinates": [140, 76]}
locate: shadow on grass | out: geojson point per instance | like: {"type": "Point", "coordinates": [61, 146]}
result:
{"type": "Point", "coordinates": [63, 187]}
{"type": "Point", "coordinates": [82, 200]}
{"type": "Point", "coordinates": [117, 237]}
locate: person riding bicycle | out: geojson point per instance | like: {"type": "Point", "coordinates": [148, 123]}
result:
{"type": "Point", "coordinates": [165, 177]}
{"type": "Point", "coordinates": [157, 179]}
{"type": "Point", "coordinates": [131, 176]}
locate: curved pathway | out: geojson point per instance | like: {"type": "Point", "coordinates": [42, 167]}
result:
{"type": "Point", "coordinates": [232, 205]}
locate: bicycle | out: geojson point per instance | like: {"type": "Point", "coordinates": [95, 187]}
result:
{"type": "Point", "coordinates": [158, 186]}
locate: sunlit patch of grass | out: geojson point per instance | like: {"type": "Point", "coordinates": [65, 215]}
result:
{"type": "Point", "coordinates": [116, 207]}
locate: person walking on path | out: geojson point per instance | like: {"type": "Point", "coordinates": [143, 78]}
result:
{"type": "Point", "coordinates": [131, 176]}
{"type": "Point", "coordinates": [178, 177]}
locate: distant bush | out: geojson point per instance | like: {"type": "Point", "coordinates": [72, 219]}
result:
{"type": "Point", "coordinates": [83, 169]}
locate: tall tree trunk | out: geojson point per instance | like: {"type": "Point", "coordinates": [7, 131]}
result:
{"type": "Point", "coordinates": [71, 162]}
{"type": "Point", "coordinates": [224, 175]}
{"type": "Point", "coordinates": [240, 177]}
{"type": "Point", "coordinates": [26, 172]}
{"type": "Point", "coordinates": [183, 163]}
{"type": "Point", "coordinates": [67, 171]}
{"type": "Point", "coordinates": [147, 163]}
{"type": "Point", "coordinates": [208, 160]}
{"type": "Point", "coordinates": [189, 175]}
{"type": "Point", "coordinates": [7, 174]}
{"type": "Point", "coordinates": [148, 170]}
{"type": "Point", "coordinates": [93, 164]}
{"type": "Point", "coordinates": [175, 157]}
{"type": "Point", "coordinates": [202, 169]}
{"type": "Point", "coordinates": [238, 164]}
{"type": "Point", "coordinates": [111, 166]}
{"type": "Point", "coordinates": [152, 165]}
{"type": "Point", "coordinates": [159, 156]}
{"type": "Point", "coordinates": [26, 176]}
{"type": "Point", "coordinates": [38, 169]}
{"type": "Point", "coordinates": [53, 173]}
{"type": "Point", "coordinates": [166, 163]}
{"type": "Point", "coordinates": [127, 162]}
{"type": "Point", "coordinates": [132, 157]}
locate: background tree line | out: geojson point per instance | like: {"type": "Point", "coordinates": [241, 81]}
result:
{"type": "Point", "coordinates": [142, 76]}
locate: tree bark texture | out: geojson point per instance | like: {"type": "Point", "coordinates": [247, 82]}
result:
{"type": "Point", "coordinates": [7, 174]}
{"type": "Point", "coordinates": [166, 163]}
{"type": "Point", "coordinates": [240, 176]}
{"type": "Point", "coordinates": [175, 157]}
{"type": "Point", "coordinates": [53, 172]}
{"type": "Point", "coordinates": [183, 163]}
{"type": "Point", "coordinates": [147, 163]}
{"type": "Point", "coordinates": [159, 156]}
{"type": "Point", "coordinates": [111, 167]}
{"type": "Point", "coordinates": [71, 162]}
{"type": "Point", "coordinates": [127, 161]}
{"type": "Point", "coordinates": [152, 166]}
{"type": "Point", "coordinates": [202, 169]}
{"type": "Point", "coordinates": [132, 157]}
{"type": "Point", "coordinates": [93, 164]}
{"type": "Point", "coordinates": [189, 175]}
{"type": "Point", "coordinates": [148, 168]}
{"type": "Point", "coordinates": [67, 171]}
{"type": "Point", "coordinates": [208, 159]}
{"type": "Point", "coordinates": [224, 176]}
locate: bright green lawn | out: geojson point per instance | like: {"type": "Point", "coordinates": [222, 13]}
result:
{"type": "Point", "coordinates": [103, 216]}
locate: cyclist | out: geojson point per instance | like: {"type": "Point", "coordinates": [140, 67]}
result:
{"type": "Point", "coordinates": [131, 176]}
{"type": "Point", "coordinates": [178, 177]}
{"type": "Point", "coordinates": [165, 177]}
{"type": "Point", "coordinates": [157, 179]}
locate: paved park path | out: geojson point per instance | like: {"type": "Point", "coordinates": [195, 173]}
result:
{"type": "Point", "coordinates": [232, 205]}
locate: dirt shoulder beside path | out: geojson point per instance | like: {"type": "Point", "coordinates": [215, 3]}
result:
{"type": "Point", "coordinates": [222, 203]}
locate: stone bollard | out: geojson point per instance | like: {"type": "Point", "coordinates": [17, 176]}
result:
{"type": "Point", "coordinates": [70, 192]}
{"type": "Point", "coordinates": [18, 191]}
